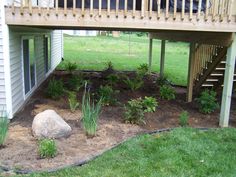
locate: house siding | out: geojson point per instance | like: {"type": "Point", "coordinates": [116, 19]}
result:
{"type": "Point", "coordinates": [17, 84]}
{"type": "Point", "coordinates": [2, 75]}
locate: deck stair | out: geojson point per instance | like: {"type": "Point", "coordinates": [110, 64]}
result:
{"type": "Point", "coordinates": [209, 67]}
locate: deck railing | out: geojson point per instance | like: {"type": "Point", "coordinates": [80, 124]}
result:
{"type": "Point", "coordinates": [184, 9]}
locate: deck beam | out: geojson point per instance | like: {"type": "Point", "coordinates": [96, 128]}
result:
{"type": "Point", "coordinates": [228, 84]}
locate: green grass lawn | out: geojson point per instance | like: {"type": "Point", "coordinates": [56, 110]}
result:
{"type": "Point", "coordinates": [181, 152]}
{"type": "Point", "coordinates": [93, 53]}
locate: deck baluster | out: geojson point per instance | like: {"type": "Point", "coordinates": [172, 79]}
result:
{"type": "Point", "coordinates": [158, 8]}
{"type": "Point", "coordinates": [56, 7]}
{"type": "Point", "coordinates": [191, 10]}
{"type": "Point", "coordinates": [134, 8]}
{"type": "Point", "coordinates": [143, 9]}
{"type": "Point", "coordinates": [91, 8]}
{"type": "Point", "coordinates": [175, 9]}
{"type": "Point", "coordinates": [117, 8]}
{"type": "Point", "coordinates": [65, 7]}
{"type": "Point", "coordinates": [125, 8]}
{"type": "Point", "coordinates": [150, 8]}
{"type": "Point", "coordinates": [82, 8]}
{"type": "Point", "coordinates": [207, 10]}
{"type": "Point", "coordinates": [199, 9]}
{"type": "Point", "coordinates": [108, 8]}
{"type": "Point", "coordinates": [167, 9]}
{"type": "Point", "coordinates": [74, 8]}
{"type": "Point", "coordinates": [183, 10]}
{"type": "Point", "coordinates": [13, 8]}
{"type": "Point", "coordinates": [100, 8]}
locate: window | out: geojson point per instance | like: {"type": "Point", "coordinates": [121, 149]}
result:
{"type": "Point", "coordinates": [47, 53]}
{"type": "Point", "coordinates": [29, 64]}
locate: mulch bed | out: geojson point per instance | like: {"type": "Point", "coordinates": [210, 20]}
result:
{"type": "Point", "coordinates": [20, 151]}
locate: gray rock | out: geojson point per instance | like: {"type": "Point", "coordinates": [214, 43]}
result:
{"type": "Point", "coordinates": [48, 124]}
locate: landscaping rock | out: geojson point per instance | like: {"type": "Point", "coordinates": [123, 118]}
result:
{"type": "Point", "coordinates": [48, 124]}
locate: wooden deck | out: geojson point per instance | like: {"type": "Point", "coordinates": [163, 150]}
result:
{"type": "Point", "coordinates": [216, 17]}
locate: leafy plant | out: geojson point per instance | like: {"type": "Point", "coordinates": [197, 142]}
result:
{"type": "Point", "coordinates": [110, 66]}
{"type": "Point", "coordinates": [163, 81]}
{"type": "Point", "coordinates": [134, 112]}
{"type": "Point", "coordinates": [3, 127]}
{"type": "Point", "coordinates": [149, 104]}
{"type": "Point", "coordinates": [69, 66]}
{"type": "Point", "coordinates": [112, 79]}
{"type": "Point", "coordinates": [133, 84]}
{"type": "Point", "coordinates": [47, 148]}
{"type": "Point", "coordinates": [142, 70]}
{"type": "Point", "coordinates": [107, 95]}
{"type": "Point", "coordinates": [55, 89]}
{"type": "Point", "coordinates": [75, 82]}
{"type": "Point", "coordinates": [167, 92]}
{"type": "Point", "coordinates": [207, 102]}
{"type": "Point", "coordinates": [73, 102]}
{"type": "Point", "coordinates": [183, 118]}
{"type": "Point", "coordinates": [91, 112]}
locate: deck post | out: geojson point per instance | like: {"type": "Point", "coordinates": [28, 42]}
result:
{"type": "Point", "coordinates": [190, 72]}
{"type": "Point", "coordinates": [150, 55]}
{"type": "Point", "coordinates": [228, 84]}
{"type": "Point", "coordinates": [162, 60]}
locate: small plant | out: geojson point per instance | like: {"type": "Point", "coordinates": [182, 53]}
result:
{"type": "Point", "coordinates": [149, 104]}
{"type": "Point", "coordinates": [167, 92]}
{"type": "Point", "coordinates": [207, 102]}
{"type": "Point", "coordinates": [183, 118]}
{"type": "Point", "coordinates": [47, 148]}
{"type": "Point", "coordinates": [142, 70]}
{"type": "Point", "coordinates": [112, 79]}
{"type": "Point", "coordinates": [69, 66]}
{"type": "Point", "coordinates": [133, 84]}
{"type": "Point", "coordinates": [74, 104]}
{"type": "Point", "coordinates": [110, 66]}
{"type": "Point", "coordinates": [108, 95]}
{"type": "Point", "coordinates": [134, 112]}
{"type": "Point", "coordinates": [91, 112]}
{"type": "Point", "coordinates": [75, 82]}
{"type": "Point", "coordinates": [163, 81]}
{"type": "Point", "coordinates": [55, 89]}
{"type": "Point", "coordinates": [3, 127]}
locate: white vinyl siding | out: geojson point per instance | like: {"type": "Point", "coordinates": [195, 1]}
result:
{"type": "Point", "coordinates": [17, 83]}
{"type": "Point", "coordinates": [56, 47]}
{"type": "Point", "coordinates": [2, 75]}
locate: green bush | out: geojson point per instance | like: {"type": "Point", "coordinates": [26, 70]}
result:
{"type": "Point", "coordinates": [163, 81]}
{"type": "Point", "coordinates": [55, 89]}
{"type": "Point", "coordinates": [183, 118]}
{"type": "Point", "coordinates": [108, 95]}
{"type": "Point", "coordinates": [73, 102]}
{"type": "Point", "coordinates": [69, 66]}
{"type": "Point", "coordinates": [75, 82]}
{"type": "Point", "coordinates": [133, 84]}
{"type": "Point", "coordinates": [142, 70]}
{"type": "Point", "coordinates": [149, 104]}
{"type": "Point", "coordinates": [91, 112]}
{"type": "Point", "coordinates": [112, 79]}
{"type": "Point", "coordinates": [3, 127]}
{"type": "Point", "coordinates": [47, 148]}
{"type": "Point", "coordinates": [134, 112]}
{"type": "Point", "coordinates": [207, 102]}
{"type": "Point", "coordinates": [167, 92]}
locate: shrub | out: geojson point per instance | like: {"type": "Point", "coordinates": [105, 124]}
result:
{"type": "Point", "coordinates": [55, 89]}
{"type": "Point", "coordinates": [112, 79]}
{"type": "Point", "coordinates": [163, 81]}
{"type": "Point", "coordinates": [149, 104]}
{"type": "Point", "coordinates": [74, 104]}
{"type": "Point", "coordinates": [167, 92]}
{"type": "Point", "coordinates": [133, 84]}
{"type": "Point", "coordinates": [134, 112]}
{"type": "Point", "coordinates": [3, 127]}
{"type": "Point", "coordinates": [75, 82]}
{"type": "Point", "coordinates": [91, 112]}
{"type": "Point", "coordinates": [69, 66]}
{"type": "Point", "coordinates": [108, 95]}
{"type": "Point", "coordinates": [207, 102]}
{"type": "Point", "coordinates": [47, 148]}
{"type": "Point", "coordinates": [142, 70]}
{"type": "Point", "coordinates": [183, 118]}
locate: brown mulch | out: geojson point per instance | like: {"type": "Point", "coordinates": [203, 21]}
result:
{"type": "Point", "coordinates": [20, 151]}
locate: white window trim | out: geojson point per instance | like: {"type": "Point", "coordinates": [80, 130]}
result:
{"type": "Point", "coordinates": [22, 64]}
{"type": "Point", "coordinates": [50, 69]}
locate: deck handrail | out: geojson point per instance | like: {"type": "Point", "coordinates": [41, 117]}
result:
{"type": "Point", "coordinates": [187, 9]}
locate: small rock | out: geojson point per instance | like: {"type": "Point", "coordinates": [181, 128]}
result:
{"type": "Point", "coordinates": [48, 124]}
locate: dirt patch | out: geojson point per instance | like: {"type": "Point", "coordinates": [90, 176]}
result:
{"type": "Point", "coordinates": [20, 151]}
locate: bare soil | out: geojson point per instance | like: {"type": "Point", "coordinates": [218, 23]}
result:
{"type": "Point", "coordinates": [21, 150]}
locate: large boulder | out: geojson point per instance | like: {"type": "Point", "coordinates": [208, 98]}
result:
{"type": "Point", "coordinates": [48, 124]}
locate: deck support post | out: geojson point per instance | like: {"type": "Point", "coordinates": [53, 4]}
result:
{"type": "Point", "coordinates": [190, 72]}
{"type": "Point", "coordinates": [150, 55]}
{"type": "Point", "coordinates": [162, 60]}
{"type": "Point", "coordinates": [228, 84]}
